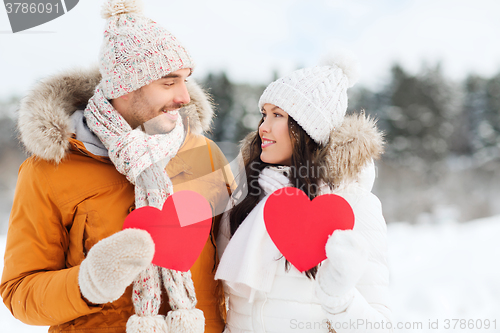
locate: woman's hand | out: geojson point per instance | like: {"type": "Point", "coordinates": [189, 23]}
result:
{"type": "Point", "coordinates": [345, 264]}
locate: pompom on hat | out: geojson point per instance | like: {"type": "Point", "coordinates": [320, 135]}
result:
{"type": "Point", "coordinates": [136, 50]}
{"type": "Point", "coordinates": [315, 97]}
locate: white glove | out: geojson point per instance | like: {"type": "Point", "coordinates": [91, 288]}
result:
{"type": "Point", "coordinates": [272, 180]}
{"type": "Point", "coordinates": [346, 262]}
{"type": "Point", "coordinates": [113, 264]}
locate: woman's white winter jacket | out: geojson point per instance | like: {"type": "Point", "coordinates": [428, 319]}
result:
{"type": "Point", "coordinates": [263, 296]}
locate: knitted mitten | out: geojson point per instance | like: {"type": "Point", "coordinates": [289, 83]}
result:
{"type": "Point", "coordinates": [184, 317]}
{"type": "Point", "coordinates": [113, 263]}
{"type": "Point", "coordinates": [338, 274]}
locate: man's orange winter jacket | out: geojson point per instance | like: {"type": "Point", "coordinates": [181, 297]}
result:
{"type": "Point", "coordinates": [62, 209]}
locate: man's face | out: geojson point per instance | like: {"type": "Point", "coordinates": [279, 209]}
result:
{"type": "Point", "coordinates": [156, 105]}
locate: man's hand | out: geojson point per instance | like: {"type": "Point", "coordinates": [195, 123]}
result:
{"type": "Point", "coordinates": [113, 264]}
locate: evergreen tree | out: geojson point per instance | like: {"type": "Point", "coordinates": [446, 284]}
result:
{"type": "Point", "coordinates": [490, 125]}
{"type": "Point", "coordinates": [474, 106]}
{"type": "Point", "coordinates": [482, 109]}
{"type": "Point", "coordinates": [222, 92]}
{"type": "Point", "coordinates": [418, 112]}
{"type": "Point", "coordinates": [247, 109]}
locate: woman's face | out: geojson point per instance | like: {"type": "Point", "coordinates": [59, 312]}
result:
{"type": "Point", "coordinates": [276, 143]}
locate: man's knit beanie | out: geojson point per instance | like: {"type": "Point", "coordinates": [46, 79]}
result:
{"type": "Point", "coordinates": [136, 50]}
{"type": "Point", "coordinates": [316, 97]}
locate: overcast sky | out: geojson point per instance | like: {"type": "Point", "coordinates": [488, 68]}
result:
{"type": "Point", "coordinates": [250, 39]}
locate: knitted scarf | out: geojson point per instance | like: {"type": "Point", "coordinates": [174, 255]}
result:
{"type": "Point", "coordinates": [142, 158]}
{"type": "Point", "coordinates": [250, 259]}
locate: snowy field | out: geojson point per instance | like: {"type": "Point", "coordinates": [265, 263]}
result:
{"type": "Point", "coordinates": [445, 278]}
{"type": "Point", "coordinates": [446, 272]}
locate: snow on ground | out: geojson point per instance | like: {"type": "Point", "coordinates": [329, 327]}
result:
{"type": "Point", "coordinates": [445, 272]}
{"type": "Point", "coordinates": [438, 273]}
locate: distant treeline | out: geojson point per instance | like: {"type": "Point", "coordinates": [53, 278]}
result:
{"type": "Point", "coordinates": [426, 117]}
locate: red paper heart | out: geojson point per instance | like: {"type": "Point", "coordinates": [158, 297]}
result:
{"type": "Point", "coordinates": [179, 231]}
{"type": "Point", "coordinates": [300, 227]}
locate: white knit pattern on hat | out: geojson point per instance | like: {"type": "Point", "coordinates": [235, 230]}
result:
{"type": "Point", "coordinates": [142, 159]}
{"type": "Point", "coordinates": [316, 98]}
{"type": "Point", "coordinates": [136, 50]}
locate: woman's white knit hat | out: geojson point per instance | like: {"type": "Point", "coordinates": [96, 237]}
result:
{"type": "Point", "coordinates": [136, 50]}
{"type": "Point", "coordinates": [316, 97]}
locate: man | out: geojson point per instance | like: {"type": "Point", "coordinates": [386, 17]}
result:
{"type": "Point", "coordinates": [68, 264]}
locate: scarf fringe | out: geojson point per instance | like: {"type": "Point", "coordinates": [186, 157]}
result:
{"type": "Point", "coordinates": [147, 324]}
{"type": "Point", "coordinates": [186, 321]}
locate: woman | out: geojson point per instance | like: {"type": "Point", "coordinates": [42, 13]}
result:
{"type": "Point", "coordinates": [305, 140]}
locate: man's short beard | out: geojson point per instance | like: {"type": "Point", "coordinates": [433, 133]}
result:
{"type": "Point", "coordinates": [155, 125]}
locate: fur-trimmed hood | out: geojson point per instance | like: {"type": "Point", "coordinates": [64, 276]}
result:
{"type": "Point", "coordinates": [44, 115]}
{"type": "Point", "coordinates": [351, 146]}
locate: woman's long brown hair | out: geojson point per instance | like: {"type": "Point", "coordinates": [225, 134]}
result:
{"type": "Point", "coordinates": [305, 174]}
